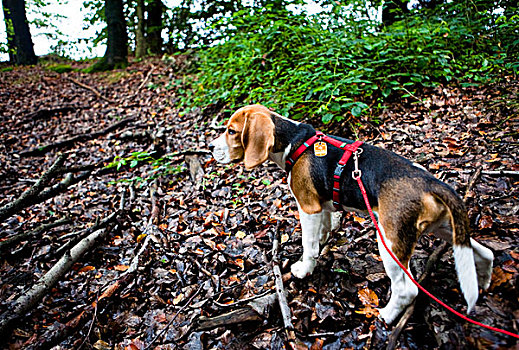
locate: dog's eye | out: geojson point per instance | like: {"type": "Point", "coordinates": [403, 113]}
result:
{"type": "Point", "coordinates": [231, 131]}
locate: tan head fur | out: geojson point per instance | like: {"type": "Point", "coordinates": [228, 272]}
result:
{"type": "Point", "coordinates": [250, 135]}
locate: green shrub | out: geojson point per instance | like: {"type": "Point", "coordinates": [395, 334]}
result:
{"type": "Point", "coordinates": [329, 67]}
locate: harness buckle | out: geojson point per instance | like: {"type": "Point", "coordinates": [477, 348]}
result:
{"type": "Point", "coordinates": [356, 173]}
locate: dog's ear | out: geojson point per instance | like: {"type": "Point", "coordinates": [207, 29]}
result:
{"type": "Point", "coordinates": [257, 138]}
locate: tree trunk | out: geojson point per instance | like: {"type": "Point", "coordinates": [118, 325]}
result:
{"type": "Point", "coordinates": [140, 42]}
{"type": "Point", "coordinates": [116, 55]}
{"type": "Point", "coordinates": [155, 9]}
{"type": "Point", "coordinates": [19, 40]}
{"type": "Point", "coordinates": [393, 10]}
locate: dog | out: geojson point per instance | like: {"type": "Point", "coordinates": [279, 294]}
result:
{"type": "Point", "coordinates": [407, 200]}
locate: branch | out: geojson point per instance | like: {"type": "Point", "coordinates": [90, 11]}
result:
{"type": "Point", "coordinates": [28, 234]}
{"type": "Point", "coordinates": [45, 113]}
{"type": "Point", "coordinates": [27, 300]}
{"type": "Point", "coordinates": [84, 86]}
{"type": "Point", "coordinates": [146, 79]}
{"type": "Point", "coordinates": [12, 207]}
{"type": "Point", "coordinates": [40, 150]}
{"type": "Point", "coordinates": [280, 291]}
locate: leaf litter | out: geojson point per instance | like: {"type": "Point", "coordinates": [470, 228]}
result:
{"type": "Point", "coordinates": [211, 246]}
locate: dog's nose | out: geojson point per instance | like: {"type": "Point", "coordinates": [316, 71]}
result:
{"type": "Point", "coordinates": [211, 147]}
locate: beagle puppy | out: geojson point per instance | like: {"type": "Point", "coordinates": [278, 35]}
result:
{"type": "Point", "coordinates": [407, 200]}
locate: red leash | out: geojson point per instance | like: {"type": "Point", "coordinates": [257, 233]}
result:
{"type": "Point", "coordinates": [356, 175]}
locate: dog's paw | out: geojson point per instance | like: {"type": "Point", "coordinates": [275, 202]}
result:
{"type": "Point", "coordinates": [301, 269]}
{"type": "Point", "coordinates": [388, 315]}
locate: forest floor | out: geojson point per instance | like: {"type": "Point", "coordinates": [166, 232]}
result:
{"type": "Point", "coordinates": [150, 240]}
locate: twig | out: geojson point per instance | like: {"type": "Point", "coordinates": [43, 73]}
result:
{"type": "Point", "coordinates": [27, 234]}
{"type": "Point", "coordinates": [174, 317]}
{"type": "Point", "coordinates": [47, 281]}
{"type": "Point", "coordinates": [471, 183]}
{"type": "Point", "coordinates": [78, 138]}
{"type": "Point", "coordinates": [93, 322]}
{"type": "Point", "coordinates": [145, 79]}
{"type": "Point", "coordinates": [280, 291]}
{"type": "Point", "coordinates": [12, 207]}
{"type": "Point", "coordinates": [431, 263]}
{"type": "Point", "coordinates": [84, 86]}
{"type": "Point", "coordinates": [510, 173]}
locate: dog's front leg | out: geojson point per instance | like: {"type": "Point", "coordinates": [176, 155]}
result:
{"type": "Point", "coordinates": [311, 225]}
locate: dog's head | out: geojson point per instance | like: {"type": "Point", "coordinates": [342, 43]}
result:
{"type": "Point", "coordinates": [249, 137]}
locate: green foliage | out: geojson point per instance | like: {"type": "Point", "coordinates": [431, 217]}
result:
{"type": "Point", "coordinates": [331, 66]}
{"type": "Point", "coordinates": [60, 68]}
{"type": "Point", "coordinates": [161, 167]}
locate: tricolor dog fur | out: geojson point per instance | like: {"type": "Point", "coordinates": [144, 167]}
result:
{"type": "Point", "coordinates": [407, 200]}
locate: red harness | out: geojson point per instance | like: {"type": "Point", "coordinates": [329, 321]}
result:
{"type": "Point", "coordinates": [349, 149]}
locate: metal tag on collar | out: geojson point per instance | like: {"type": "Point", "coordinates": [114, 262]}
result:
{"type": "Point", "coordinates": [320, 148]}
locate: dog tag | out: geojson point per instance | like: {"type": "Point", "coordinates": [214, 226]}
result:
{"type": "Point", "coordinates": [320, 149]}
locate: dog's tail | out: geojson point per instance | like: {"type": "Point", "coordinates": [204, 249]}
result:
{"type": "Point", "coordinates": [463, 253]}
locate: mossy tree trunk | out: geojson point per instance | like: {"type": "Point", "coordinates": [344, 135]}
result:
{"type": "Point", "coordinates": [19, 40]}
{"type": "Point", "coordinates": [155, 11]}
{"type": "Point", "coordinates": [140, 40]}
{"type": "Point", "coordinates": [116, 55]}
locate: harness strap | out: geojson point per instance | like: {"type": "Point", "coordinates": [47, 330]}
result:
{"type": "Point", "coordinates": [349, 149]}
{"type": "Point", "coordinates": [289, 163]}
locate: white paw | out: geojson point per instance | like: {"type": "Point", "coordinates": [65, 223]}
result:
{"type": "Point", "coordinates": [388, 315]}
{"type": "Point", "coordinates": [301, 269]}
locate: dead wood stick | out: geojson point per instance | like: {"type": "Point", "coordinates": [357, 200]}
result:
{"type": "Point", "coordinates": [145, 80]}
{"type": "Point", "coordinates": [510, 173]}
{"type": "Point", "coordinates": [84, 86]}
{"type": "Point", "coordinates": [77, 236]}
{"type": "Point", "coordinates": [471, 183]}
{"type": "Point", "coordinates": [241, 315]}
{"type": "Point", "coordinates": [45, 113]}
{"type": "Point", "coordinates": [28, 234]}
{"type": "Point", "coordinates": [280, 291]}
{"type": "Point", "coordinates": [78, 138]}
{"type": "Point", "coordinates": [12, 207]}
{"type": "Point", "coordinates": [27, 300]}
{"type": "Point", "coordinates": [431, 263]}
{"type": "Point", "coordinates": [174, 317]}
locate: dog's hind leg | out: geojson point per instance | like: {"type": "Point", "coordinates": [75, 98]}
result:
{"type": "Point", "coordinates": [403, 290]}
{"type": "Point", "coordinates": [331, 221]}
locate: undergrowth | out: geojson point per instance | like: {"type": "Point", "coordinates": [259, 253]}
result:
{"type": "Point", "coordinates": [333, 65]}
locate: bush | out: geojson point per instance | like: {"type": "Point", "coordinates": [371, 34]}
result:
{"type": "Point", "coordinates": [326, 67]}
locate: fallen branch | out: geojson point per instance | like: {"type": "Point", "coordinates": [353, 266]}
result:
{"type": "Point", "coordinates": [26, 197]}
{"type": "Point", "coordinates": [52, 337]}
{"type": "Point", "coordinates": [280, 291]}
{"type": "Point", "coordinates": [431, 264]}
{"type": "Point", "coordinates": [29, 234]}
{"type": "Point", "coordinates": [78, 138]}
{"type": "Point", "coordinates": [89, 88]}
{"type": "Point", "coordinates": [471, 183]}
{"type": "Point", "coordinates": [510, 173]}
{"type": "Point", "coordinates": [77, 236]}
{"type": "Point", "coordinates": [145, 80]}
{"type": "Point", "coordinates": [27, 300]}
{"type": "Point", "coordinates": [45, 113]}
